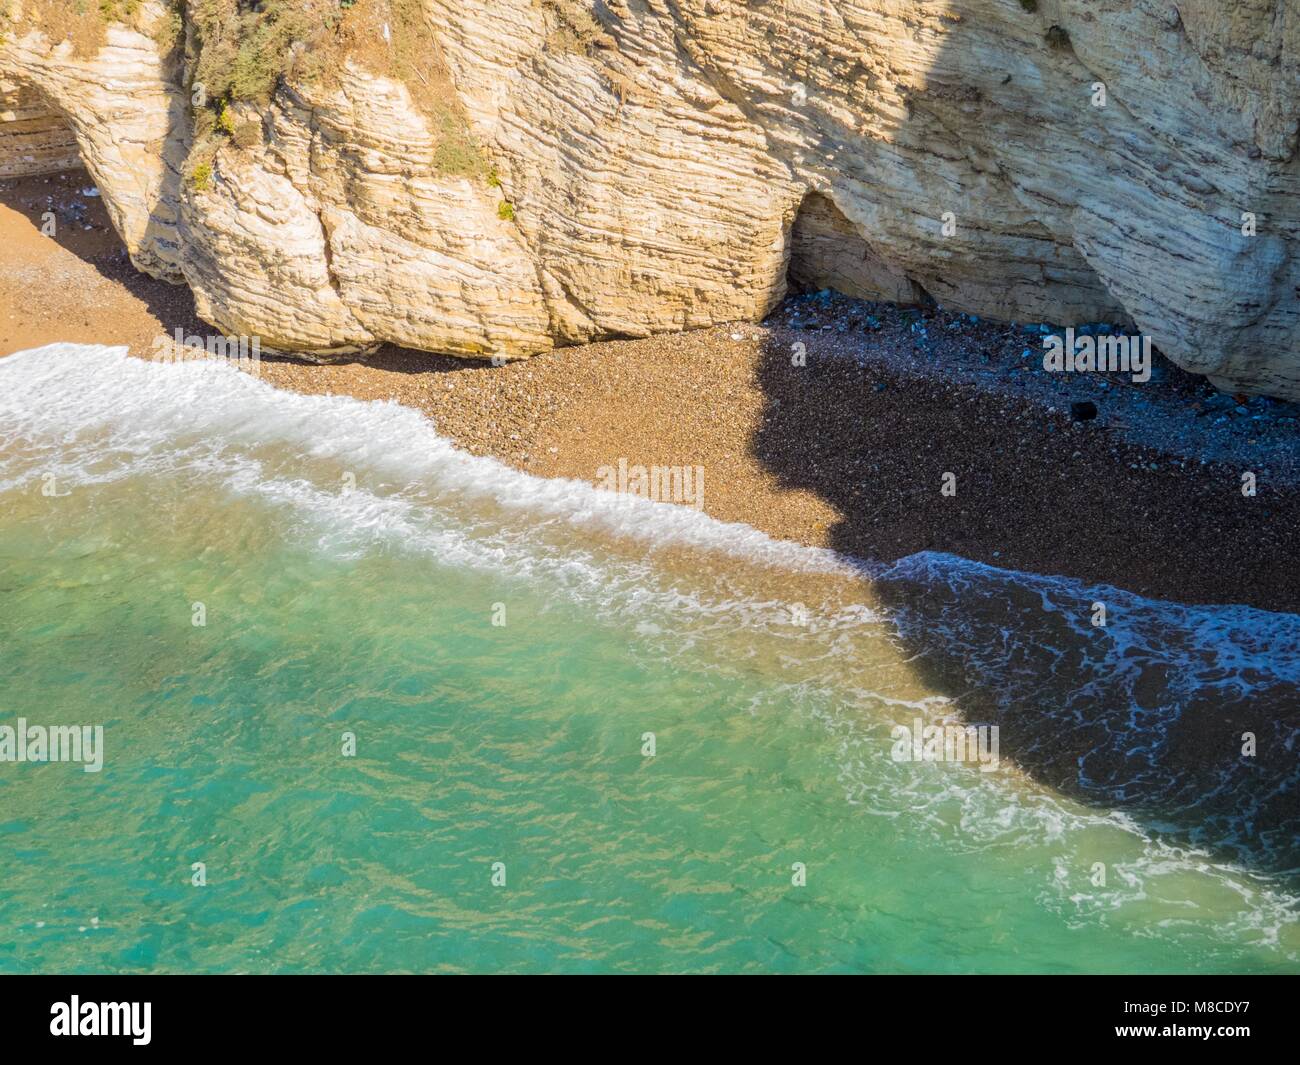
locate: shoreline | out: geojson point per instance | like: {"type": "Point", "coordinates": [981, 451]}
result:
{"type": "Point", "coordinates": [846, 451]}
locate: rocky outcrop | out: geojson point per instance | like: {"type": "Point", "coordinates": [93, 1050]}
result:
{"type": "Point", "coordinates": [654, 165]}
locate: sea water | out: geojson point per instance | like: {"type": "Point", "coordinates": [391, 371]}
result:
{"type": "Point", "coordinates": [370, 704]}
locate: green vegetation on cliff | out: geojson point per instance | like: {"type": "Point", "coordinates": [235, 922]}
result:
{"type": "Point", "coordinates": [239, 51]}
{"type": "Point", "coordinates": [236, 53]}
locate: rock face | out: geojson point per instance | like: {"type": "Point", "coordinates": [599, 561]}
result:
{"type": "Point", "coordinates": [34, 138]}
{"type": "Point", "coordinates": [666, 164]}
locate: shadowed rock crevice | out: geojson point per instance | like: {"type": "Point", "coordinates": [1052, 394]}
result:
{"type": "Point", "coordinates": [828, 251]}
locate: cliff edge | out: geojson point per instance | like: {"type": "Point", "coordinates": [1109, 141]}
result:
{"type": "Point", "coordinates": [503, 177]}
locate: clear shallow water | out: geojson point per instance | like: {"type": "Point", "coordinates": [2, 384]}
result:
{"type": "Point", "coordinates": [349, 562]}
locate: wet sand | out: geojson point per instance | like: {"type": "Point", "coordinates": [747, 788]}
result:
{"type": "Point", "coordinates": [847, 450]}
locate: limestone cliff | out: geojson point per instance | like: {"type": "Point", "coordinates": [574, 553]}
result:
{"type": "Point", "coordinates": [502, 176]}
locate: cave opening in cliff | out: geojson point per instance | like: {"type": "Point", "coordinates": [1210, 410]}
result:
{"type": "Point", "coordinates": [60, 236]}
{"type": "Point", "coordinates": [829, 251]}
{"type": "Point", "coordinates": [44, 178]}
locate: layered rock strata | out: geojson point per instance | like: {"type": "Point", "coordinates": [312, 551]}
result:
{"type": "Point", "coordinates": [653, 165]}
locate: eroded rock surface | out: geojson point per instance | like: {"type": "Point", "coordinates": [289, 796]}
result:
{"type": "Point", "coordinates": [654, 165]}
{"type": "Point", "coordinates": [34, 138]}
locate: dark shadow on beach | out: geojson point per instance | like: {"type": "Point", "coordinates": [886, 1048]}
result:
{"type": "Point", "coordinates": [395, 359]}
{"type": "Point", "coordinates": [1147, 714]}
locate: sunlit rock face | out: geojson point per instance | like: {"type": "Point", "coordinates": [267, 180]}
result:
{"type": "Point", "coordinates": [661, 165]}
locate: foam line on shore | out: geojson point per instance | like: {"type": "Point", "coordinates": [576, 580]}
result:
{"type": "Point", "coordinates": [54, 398]}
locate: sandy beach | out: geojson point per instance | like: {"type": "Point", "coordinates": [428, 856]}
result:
{"type": "Point", "coordinates": [831, 424]}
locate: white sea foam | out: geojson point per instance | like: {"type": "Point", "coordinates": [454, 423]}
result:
{"type": "Point", "coordinates": [93, 415]}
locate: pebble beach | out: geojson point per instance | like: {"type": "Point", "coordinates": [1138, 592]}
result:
{"type": "Point", "coordinates": [833, 423]}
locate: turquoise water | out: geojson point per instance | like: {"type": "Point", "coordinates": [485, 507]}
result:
{"type": "Point", "coordinates": [351, 566]}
